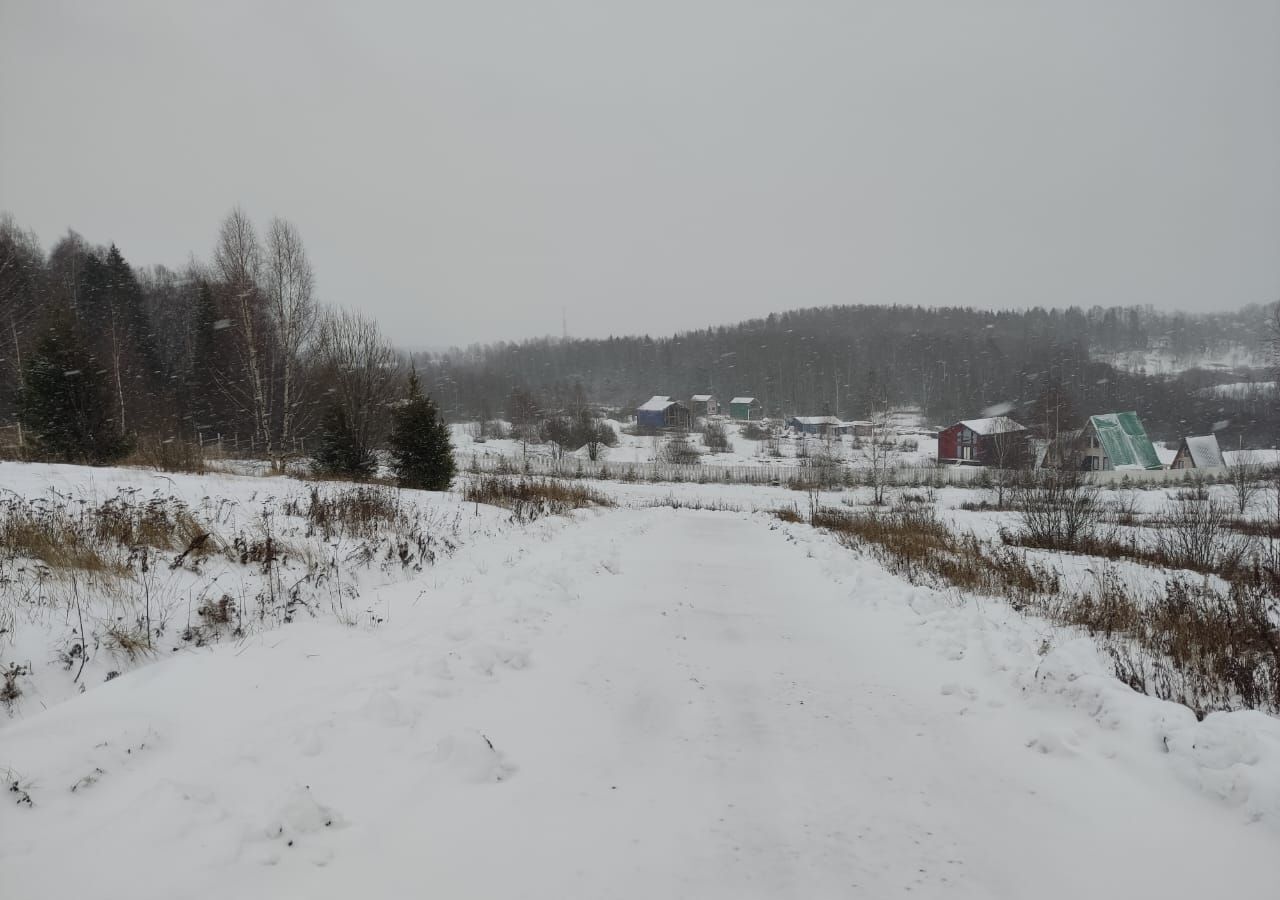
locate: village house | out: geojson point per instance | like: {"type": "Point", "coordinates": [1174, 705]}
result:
{"type": "Point", "coordinates": [1115, 441]}
{"type": "Point", "coordinates": [662, 412]}
{"type": "Point", "coordinates": [994, 441]}
{"type": "Point", "coordinates": [1199, 452]}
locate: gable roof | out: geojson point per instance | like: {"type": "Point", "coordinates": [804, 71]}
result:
{"type": "Point", "coordinates": [993, 425]}
{"type": "Point", "coordinates": [700, 398]}
{"type": "Point", "coordinates": [743, 400]}
{"type": "Point", "coordinates": [656, 403]}
{"type": "Point", "coordinates": [816, 420]}
{"type": "Point", "coordinates": [1204, 451]}
{"type": "Point", "coordinates": [1268, 457]}
{"type": "Point", "coordinates": [1125, 441]}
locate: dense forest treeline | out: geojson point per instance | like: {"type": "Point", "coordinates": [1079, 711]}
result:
{"type": "Point", "coordinates": [237, 351]}
{"type": "Point", "coordinates": [952, 362]}
{"type": "Point", "coordinates": [99, 357]}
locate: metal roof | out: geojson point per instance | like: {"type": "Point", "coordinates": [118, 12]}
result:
{"type": "Point", "coordinates": [1266, 457]}
{"type": "Point", "coordinates": [1204, 451]}
{"type": "Point", "coordinates": [655, 404]}
{"type": "Point", "coordinates": [1125, 441]}
{"type": "Point", "coordinates": [993, 425]}
{"type": "Point", "coordinates": [700, 398]}
{"type": "Point", "coordinates": [743, 400]}
{"type": "Point", "coordinates": [816, 420]}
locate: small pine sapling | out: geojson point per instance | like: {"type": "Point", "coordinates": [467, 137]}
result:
{"type": "Point", "coordinates": [422, 454]}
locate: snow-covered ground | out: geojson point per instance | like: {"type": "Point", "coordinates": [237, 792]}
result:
{"type": "Point", "coordinates": [1165, 362]}
{"type": "Point", "coordinates": [636, 702]}
{"type": "Point", "coordinates": [1241, 390]}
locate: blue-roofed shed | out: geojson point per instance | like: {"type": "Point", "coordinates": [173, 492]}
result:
{"type": "Point", "coordinates": [662, 412]}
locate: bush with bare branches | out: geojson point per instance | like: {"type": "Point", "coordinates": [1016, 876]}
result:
{"type": "Point", "coordinates": [1059, 509]}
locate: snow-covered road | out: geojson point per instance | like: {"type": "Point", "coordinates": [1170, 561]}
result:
{"type": "Point", "coordinates": [641, 704]}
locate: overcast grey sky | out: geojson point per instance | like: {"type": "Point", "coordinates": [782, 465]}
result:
{"type": "Point", "coordinates": [464, 170]}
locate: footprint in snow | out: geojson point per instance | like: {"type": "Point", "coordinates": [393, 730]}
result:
{"type": "Point", "coordinates": [952, 689]}
{"type": "Point", "coordinates": [296, 827]}
{"type": "Point", "coordinates": [473, 758]}
{"type": "Point", "coordinates": [1055, 743]}
{"type": "Point", "coordinates": [487, 658]}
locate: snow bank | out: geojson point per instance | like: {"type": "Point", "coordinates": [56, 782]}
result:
{"type": "Point", "coordinates": [1233, 757]}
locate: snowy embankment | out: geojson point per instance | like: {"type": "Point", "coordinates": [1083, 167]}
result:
{"type": "Point", "coordinates": [642, 703]}
{"type": "Point", "coordinates": [115, 591]}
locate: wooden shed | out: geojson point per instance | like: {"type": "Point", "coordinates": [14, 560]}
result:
{"type": "Point", "coordinates": [662, 412]}
{"type": "Point", "coordinates": [745, 409]}
{"type": "Point", "coordinates": [703, 405]}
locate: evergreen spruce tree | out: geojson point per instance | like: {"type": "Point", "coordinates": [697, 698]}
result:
{"type": "Point", "coordinates": [66, 402]}
{"type": "Point", "coordinates": [340, 451]}
{"type": "Point", "coordinates": [420, 446]}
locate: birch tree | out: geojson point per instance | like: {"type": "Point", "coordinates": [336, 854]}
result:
{"type": "Point", "coordinates": [237, 261]}
{"type": "Point", "coordinates": [293, 314]}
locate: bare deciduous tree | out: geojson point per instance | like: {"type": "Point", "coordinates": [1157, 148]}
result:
{"type": "Point", "coordinates": [1198, 534]}
{"type": "Point", "coordinates": [1060, 509]}
{"type": "Point", "coordinates": [1010, 456]}
{"type": "Point", "coordinates": [237, 261]}
{"type": "Point", "coordinates": [360, 367]}
{"type": "Point", "coordinates": [293, 314]}
{"type": "Point", "coordinates": [877, 452]}
{"type": "Point", "coordinates": [1245, 477]}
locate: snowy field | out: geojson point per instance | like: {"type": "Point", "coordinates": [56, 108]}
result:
{"type": "Point", "coordinates": [912, 445]}
{"type": "Point", "coordinates": [629, 702]}
{"type": "Point", "coordinates": [1165, 362]}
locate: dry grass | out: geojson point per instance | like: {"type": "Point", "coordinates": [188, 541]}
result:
{"type": "Point", "coordinates": [167, 455]}
{"type": "Point", "coordinates": [133, 642]}
{"type": "Point", "coordinates": [532, 498]}
{"type": "Point", "coordinates": [911, 541]}
{"type": "Point", "coordinates": [218, 612]}
{"type": "Point", "coordinates": [789, 514]}
{"type": "Point", "coordinates": [67, 535]}
{"type": "Point", "coordinates": [48, 533]}
{"type": "Point", "coordinates": [1186, 642]}
{"type": "Point", "coordinates": [9, 689]}
{"type": "Point", "coordinates": [1194, 532]}
{"type": "Point", "coordinates": [162, 522]}
{"type": "Point", "coordinates": [1182, 640]}
{"type": "Point", "coordinates": [360, 511]}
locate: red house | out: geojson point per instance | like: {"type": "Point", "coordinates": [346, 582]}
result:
{"type": "Point", "coordinates": [997, 441]}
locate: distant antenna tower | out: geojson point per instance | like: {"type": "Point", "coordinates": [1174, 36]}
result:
{"type": "Point", "coordinates": [564, 324]}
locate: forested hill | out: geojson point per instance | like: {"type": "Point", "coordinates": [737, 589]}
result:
{"type": "Point", "coordinates": [238, 349]}
{"type": "Point", "coordinates": [952, 362]}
